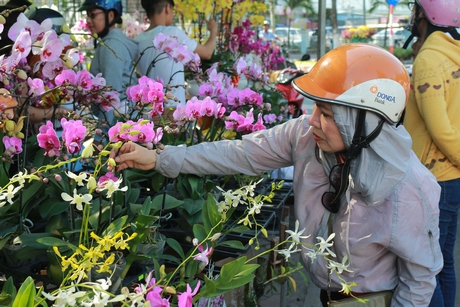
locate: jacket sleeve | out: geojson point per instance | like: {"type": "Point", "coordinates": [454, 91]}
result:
{"type": "Point", "coordinates": [255, 153]}
{"type": "Point", "coordinates": [415, 242]}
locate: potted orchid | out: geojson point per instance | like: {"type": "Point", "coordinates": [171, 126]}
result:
{"type": "Point", "coordinates": [54, 173]}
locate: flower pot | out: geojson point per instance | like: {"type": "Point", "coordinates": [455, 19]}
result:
{"type": "Point", "coordinates": [192, 89]}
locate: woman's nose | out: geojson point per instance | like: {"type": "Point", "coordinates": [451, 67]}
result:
{"type": "Point", "coordinates": [314, 118]}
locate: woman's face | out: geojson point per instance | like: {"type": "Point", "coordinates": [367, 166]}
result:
{"type": "Point", "coordinates": [325, 131]}
{"type": "Point", "coordinates": [96, 20]}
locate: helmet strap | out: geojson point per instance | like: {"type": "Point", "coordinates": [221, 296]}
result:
{"type": "Point", "coordinates": [357, 144]}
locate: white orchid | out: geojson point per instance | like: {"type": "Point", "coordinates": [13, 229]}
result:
{"type": "Point", "coordinates": [296, 235]}
{"type": "Point", "coordinates": [8, 195]}
{"type": "Point", "coordinates": [323, 245]}
{"type": "Point", "coordinates": [77, 199]}
{"type": "Point", "coordinates": [78, 178]}
{"type": "Point", "coordinates": [339, 267]}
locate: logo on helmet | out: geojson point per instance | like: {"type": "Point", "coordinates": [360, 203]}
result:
{"type": "Point", "coordinates": [382, 97]}
{"type": "Point", "coordinates": [374, 89]}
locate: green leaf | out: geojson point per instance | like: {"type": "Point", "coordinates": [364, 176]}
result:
{"type": "Point", "coordinates": [157, 181]}
{"type": "Point", "coordinates": [51, 207]}
{"type": "Point", "coordinates": [239, 229]}
{"type": "Point", "coordinates": [199, 232]}
{"type": "Point", "coordinates": [170, 202]}
{"type": "Point", "coordinates": [210, 215]}
{"type": "Point", "coordinates": [193, 206]}
{"type": "Point", "coordinates": [233, 243]}
{"type": "Point", "coordinates": [51, 241]}
{"type": "Point", "coordinates": [191, 268]}
{"type": "Point", "coordinates": [8, 293]}
{"type": "Point", "coordinates": [26, 294]}
{"type": "Point", "coordinates": [209, 287]}
{"type": "Point", "coordinates": [176, 246]}
{"type": "Point", "coordinates": [115, 226]}
{"type": "Point", "coordinates": [230, 269]}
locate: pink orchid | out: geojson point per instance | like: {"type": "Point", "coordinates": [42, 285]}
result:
{"type": "Point", "coordinates": [220, 111]}
{"type": "Point", "coordinates": [180, 115]}
{"type": "Point", "coordinates": [52, 48]}
{"type": "Point", "coordinates": [158, 136]}
{"type": "Point", "coordinates": [145, 135]}
{"type": "Point", "coordinates": [185, 299]}
{"type": "Point", "coordinates": [23, 24]}
{"type": "Point", "coordinates": [270, 118]}
{"type": "Point", "coordinates": [48, 139]}
{"type": "Point", "coordinates": [73, 134]}
{"type": "Point", "coordinates": [51, 69]}
{"type": "Point", "coordinates": [67, 76]}
{"type": "Point", "coordinates": [23, 44]}
{"type": "Point", "coordinates": [36, 86]}
{"type": "Point", "coordinates": [193, 107]}
{"type": "Point", "coordinates": [208, 107]}
{"type": "Point", "coordinates": [115, 133]}
{"type": "Point", "coordinates": [205, 90]}
{"type": "Point", "coordinates": [156, 300]}
{"type": "Point", "coordinates": [203, 255]}
{"type": "Point", "coordinates": [108, 176]}
{"type": "Point", "coordinates": [234, 98]}
{"type": "Point", "coordinates": [83, 79]}
{"type": "Point", "coordinates": [98, 82]}
{"type": "Point", "coordinates": [240, 66]}
{"type": "Point", "coordinates": [110, 101]}
{"type": "Point", "coordinates": [259, 125]}
{"type": "Point", "coordinates": [13, 145]}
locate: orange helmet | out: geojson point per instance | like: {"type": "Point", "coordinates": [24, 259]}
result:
{"type": "Point", "coordinates": [360, 76]}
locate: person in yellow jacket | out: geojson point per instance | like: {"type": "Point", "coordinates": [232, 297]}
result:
{"type": "Point", "coordinates": [433, 120]}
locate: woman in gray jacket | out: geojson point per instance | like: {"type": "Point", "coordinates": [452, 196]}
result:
{"type": "Point", "coordinates": [352, 163]}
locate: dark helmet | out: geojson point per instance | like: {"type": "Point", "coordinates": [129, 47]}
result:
{"type": "Point", "coordinates": [106, 5]}
{"type": "Point", "coordinates": [40, 14]}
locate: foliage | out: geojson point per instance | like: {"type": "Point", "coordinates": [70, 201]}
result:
{"type": "Point", "coordinates": [363, 32]}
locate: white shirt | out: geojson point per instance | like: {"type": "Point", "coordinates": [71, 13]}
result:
{"type": "Point", "coordinates": [165, 67]}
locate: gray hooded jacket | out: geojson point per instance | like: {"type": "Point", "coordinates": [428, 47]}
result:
{"type": "Point", "coordinates": [388, 222]}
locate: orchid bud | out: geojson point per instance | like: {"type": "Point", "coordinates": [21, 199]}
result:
{"type": "Point", "coordinates": [45, 180]}
{"type": "Point", "coordinates": [21, 73]}
{"type": "Point", "coordinates": [112, 162]}
{"type": "Point", "coordinates": [216, 236]}
{"type": "Point", "coordinates": [170, 290]}
{"type": "Point", "coordinates": [2, 20]}
{"type": "Point", "coordinates": [91, 183]}
{"type": "Point", "coordinates": [58, 178]}
{"type": "Point", "coordinates": [195, 241]}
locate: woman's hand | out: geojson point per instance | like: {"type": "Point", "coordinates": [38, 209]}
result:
{"type": "Point", "coordinates": [132, 155]}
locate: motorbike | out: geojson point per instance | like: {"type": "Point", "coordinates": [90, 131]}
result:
{"type": "Point", "coordinates": [294, 98]}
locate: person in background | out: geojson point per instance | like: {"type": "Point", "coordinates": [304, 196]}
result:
{"type": "Point", "coordinates": [268, 36]}
{"type": "Point", "coordinates": [5, 42]}
{"type": "Point", "coordinates": [115, 57]}
{"type": "Point", "coordinates": [161, 16]}
{"type": "Point", "coordinates": [433, 120]}
{"type": "Point", "coordinates": [355, 175]}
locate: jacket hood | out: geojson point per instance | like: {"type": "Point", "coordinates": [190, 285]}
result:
{"type": "Point", "coordinates": [444, 44]}
{"type": "Point", "coordinates": [381, 166]}
{"type": "Point", "coordinates": [130, 44]}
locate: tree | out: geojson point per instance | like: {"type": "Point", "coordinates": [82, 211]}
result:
{"type": "Point", "coordinates": [376, 3]}
{"type": "Point", "coordinates": [293, 4]}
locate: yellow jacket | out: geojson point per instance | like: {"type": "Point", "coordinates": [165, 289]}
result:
{"type": "Point", "coordinates": [433, 110]}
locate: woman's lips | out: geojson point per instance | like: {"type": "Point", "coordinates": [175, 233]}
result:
{"type": "Point", "coordinates": [316, 138]}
